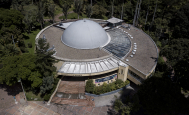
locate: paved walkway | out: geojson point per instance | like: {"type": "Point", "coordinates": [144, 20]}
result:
{"type": "Point", "coordinates": [31, 108]}
{"type": "Point", "coordinates": [7, 94]}
{"type": "Point", "coordinates": [39, 108]}
{"type": "Point", "coordinates": [109, 99]}
{"type": "Point", "coordinates": [103, 105]}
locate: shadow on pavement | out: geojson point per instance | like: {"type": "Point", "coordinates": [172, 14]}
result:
{"type": "Point", "coordinates": [11, 90]}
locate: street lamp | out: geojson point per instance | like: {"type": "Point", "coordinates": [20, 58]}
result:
{"type": "Point", "coordinates": [23, 90]}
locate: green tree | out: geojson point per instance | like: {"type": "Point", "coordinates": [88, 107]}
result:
{"type": "Point", "coordinates": [9, 50]}
{"type": "Point", "coordinates": [78, 7]}
{"type": "Point", "coordinates": [89, 11]}
{"type": "Point", "coordinates": [98, 11]}
{"type": "Point", "coordinates": [19, 4]}
{"type": "Point", "coordinates": [40, 13]}
{"type": "Point", "coordinates": [47, 84]}
{"type": "Point", "coordinates": [52, 11]}
{"type": "Point", "coordinates": [127, 106]}
{"type": "Point", "coordinates": [180, 23]}
{"type": "Point", "coordinates": [28, 20]}
{"type": "Point", "coordinates": [160, 96]}
{"type": "Point", "coordinates": [177, 50]}
{"type": "Point", "coordinates": [65, 9]}
{"type": "Point", "coordinates": [89, 86]}
{"type": "Point", "coordinates": [181, 73]}
{"type": "Point", "coordinates": [11, 27]}
{"type": "Point", "coordinates": [45, 64]}
{"type": "Point", "coordinates": [20, 67]}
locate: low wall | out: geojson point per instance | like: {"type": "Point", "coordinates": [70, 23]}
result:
{"type": "Point", "coordinates": [54, 91]}
{"type": "Point", "coordinates": [109, 93]}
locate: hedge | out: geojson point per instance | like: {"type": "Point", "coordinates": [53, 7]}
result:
{"type": "Point", "coordinates": [91, 88]}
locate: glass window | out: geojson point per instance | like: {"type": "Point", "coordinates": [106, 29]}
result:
{"type": "Point", "coordinates": [106, 78]}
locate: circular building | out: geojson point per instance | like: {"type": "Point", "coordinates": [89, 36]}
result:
{"type": "Point", "coordinates": [102, 50]}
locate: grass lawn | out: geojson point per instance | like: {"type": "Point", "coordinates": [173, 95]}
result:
{"type": "Point", "coordinates": [71, 9]}
{"type": "Point", "coordinates": [31, 96]}
{"type": "Point", "coordinates": [31, 38]}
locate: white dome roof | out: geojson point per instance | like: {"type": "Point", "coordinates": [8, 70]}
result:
{"type": "Point", "coordinates": [85, 34]}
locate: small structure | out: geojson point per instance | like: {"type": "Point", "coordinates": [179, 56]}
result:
{"type": "Point", "coordinates": [113, 22]}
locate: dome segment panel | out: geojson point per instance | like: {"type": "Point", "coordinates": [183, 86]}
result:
{"type": "Point", "coordinates": [85, 34]}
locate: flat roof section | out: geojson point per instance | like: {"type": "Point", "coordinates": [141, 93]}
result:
{"type": "Point", "coordinates": [53, 36]}
{"type": "Point", "coordinates": [146, 53]}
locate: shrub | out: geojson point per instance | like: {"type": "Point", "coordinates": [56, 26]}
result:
{"type": "Point", "coordinates": [98, 90]}
{"type": "Point", "coordinates": [119, 83]}
{"type": "Point", "coordinates": [29, 45]}
{"type": "Point", "coordinates": [89, 86]}
{"type": "Point", "coordinates": [159, 44]}
{"type": "Point", "coordinates": [104, 87]}
{"type": "Point", "coordinates": [127, 82]}
{"type": "Point", "coordinates": [47, 97]}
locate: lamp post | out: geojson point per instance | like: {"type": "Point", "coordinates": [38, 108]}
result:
{"type": "Point", "coordinates": [23, 90]}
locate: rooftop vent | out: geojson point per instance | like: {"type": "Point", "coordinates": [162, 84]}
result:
{"type": "Point", "coordinates": [131, 55]}
{"type": "Point", "coordinates": [127, 60]}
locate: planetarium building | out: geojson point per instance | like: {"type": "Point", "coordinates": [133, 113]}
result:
{"type": "Point", "coordinates": [101, 50]}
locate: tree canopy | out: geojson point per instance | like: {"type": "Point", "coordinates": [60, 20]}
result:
{"type": "Point", "coordinates": [161, 96]}
{"type": "Point", "coordinates": [45, 64]}
{"type": "Point", "coordinates": [20, 67]}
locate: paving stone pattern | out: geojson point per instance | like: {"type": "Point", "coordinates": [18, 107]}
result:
{"type": "Point", "coordinates": [83, 110]}
{"type": "Point", "coordinates": [73, 87]}
{"type": "Point", "coordinates": [31, 108]}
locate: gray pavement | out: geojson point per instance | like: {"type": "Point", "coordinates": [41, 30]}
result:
{"type": "Point", "coordinates": [109, 99]}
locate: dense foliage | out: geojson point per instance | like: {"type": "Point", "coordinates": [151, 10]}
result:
{"type": "Point", "coordinates": [166, 21]}
{"type": "Point", "coordinates": [160, 96]}
{"type": "Point", "coordinates": [91, 88]}
{"type": "Point", "coordinates": [20, 67]}
{"type": "Point", "coordinates": [45, 64]}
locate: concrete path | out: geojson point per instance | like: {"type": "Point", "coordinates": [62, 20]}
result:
{"type": "Point", "coordinates": [109, 99]}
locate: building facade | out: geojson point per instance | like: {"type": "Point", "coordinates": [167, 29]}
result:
{"type": "Point", "coordinates": [90, 49]}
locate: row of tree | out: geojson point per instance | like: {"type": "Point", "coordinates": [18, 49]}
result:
{"type": "Point", "coordinates": [37, 71]}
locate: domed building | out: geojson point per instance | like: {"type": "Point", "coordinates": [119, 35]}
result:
{"type": "Point", "coordinates": [101, 50]}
